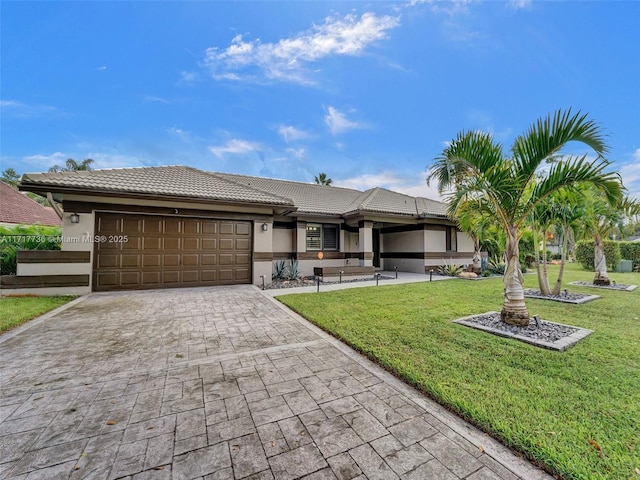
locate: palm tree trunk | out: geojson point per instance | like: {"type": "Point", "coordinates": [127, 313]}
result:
{"type": "Point", "coordinates": [602, 277]}
{"type": "Point", "coordinates": [476, 261]}
{"type": "Point", "coordinates": [563, 259]}
{"type": "Point", "coordinates": [543, 283]}
{"type": "Point", "coordinates": [545, 289]}
{"type": "Point", "coordinates": [514, 310]}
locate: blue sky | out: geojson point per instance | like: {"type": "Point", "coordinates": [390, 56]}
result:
{"type": "Point", "coordinates": [368, 92]}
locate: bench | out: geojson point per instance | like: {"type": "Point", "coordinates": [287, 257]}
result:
{"type": "Point", "coordinates": [347, 271]}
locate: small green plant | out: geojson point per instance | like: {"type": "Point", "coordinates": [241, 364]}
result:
{"type": "Point", "coordinates": [450, 269]}
{"type": "Point", "coordinates": [279, 270]}
{"type": "Point", "coordinates": [496, 268]}
{"type": "Point", "coordinates": [293, 272]}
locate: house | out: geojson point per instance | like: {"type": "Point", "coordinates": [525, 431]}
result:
{"type": "Point", "coordinates": [18, 209]}
{"type": "Point", "coordinates": [177, 226]}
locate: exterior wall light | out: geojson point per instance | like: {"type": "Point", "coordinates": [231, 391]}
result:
{"type": "Point", "coordinates": [265, 227]}
{"type": "Point", "coordinates": [75, 218]}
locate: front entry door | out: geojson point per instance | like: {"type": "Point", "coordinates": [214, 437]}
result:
{"type": "Point", "coordinates": [376, 247]}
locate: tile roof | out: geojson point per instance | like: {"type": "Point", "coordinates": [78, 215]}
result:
{"type": "Point", "coordinates": [171, 180]}
{"type": "Point", "coordinates": [17, 208]}
{"type": "Point", "coordinates": [192, 183]}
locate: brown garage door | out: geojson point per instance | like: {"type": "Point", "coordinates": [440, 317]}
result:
{"type": "Point", "coordinates": [147, 251]}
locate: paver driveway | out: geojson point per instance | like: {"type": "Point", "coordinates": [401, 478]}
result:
{"type": "Point", "coordinates": [217, 383]}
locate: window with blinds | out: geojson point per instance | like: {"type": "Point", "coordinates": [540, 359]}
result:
{"type": "Point", "coordinates": [323, 237]}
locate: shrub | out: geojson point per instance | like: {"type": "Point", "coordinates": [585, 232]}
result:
{"type": "Point", "coordinates": [585, 254]}
{"type": "Point", "coordinates": [449, 269]}
{"type": "Point", "coordinates": [293, 272]}
{"type": "Point", "coordinates": [25, 237]}
{"type": "Point", "coordinates": [631, 251]}
{"type": "Point", "coordinates": [279, 270]}
{"type": "Point", "coordinates": [496, 268]}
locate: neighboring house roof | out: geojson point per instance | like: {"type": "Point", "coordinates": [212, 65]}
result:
{"type": "Point", "coordinates": [17, 208]}
{"type": "Point", "coordinates": [177, 181]}
{"type": "Point", "coordinates": [180, 181]}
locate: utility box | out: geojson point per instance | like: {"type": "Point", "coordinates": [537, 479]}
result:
{"type": "Point", "coordinates": [625, 266]}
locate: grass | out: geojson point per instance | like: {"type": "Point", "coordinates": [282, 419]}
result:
{"type": "Point", "coordinates": [576, 414]}
{"type": "Point", "coordinates": [15, 311]}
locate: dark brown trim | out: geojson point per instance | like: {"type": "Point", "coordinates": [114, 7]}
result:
{"type": "Point", "coordinates": [413, 255]}
{"type": "Point", "coordinates": [348, 228]}
{"type": "Point", "coordinates": [262, 256]}
{"type": "Point", "coordinates": [314, 256]}
{"type": "Point", "coordinates": [82, 207]}
{"type": "Point", "coordinates": [426, 255]}
{"type": "Point", "coordinates": [284, 225]}
{"type": "Point", "coordinates": [284, 255]}
{"type": "Point", "coordinates": [402, 229]}
{"type": "Point", "coordinates": [365, 224]}
{"type": "Point", "coordinates": [365, 255]}
{"type": "Point", "coordinates": [40, 281]}
{"type": "Point", "coordinates": [53, 256]}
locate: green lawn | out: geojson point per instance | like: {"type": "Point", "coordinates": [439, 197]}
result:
{"type": "Point", "coordinates": [576, 413]}
{"type": "Point", "coordinates": [15, 311]}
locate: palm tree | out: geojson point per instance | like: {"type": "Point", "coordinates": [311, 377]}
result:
{"type": "Point", "coordinates": [600, 218]}
{"type": "Point", "coordinates": [72, 166]}
{"type": "Point", "coordinates": [321, 179]}
{"type": "Point", "coordinates": [475, 167]}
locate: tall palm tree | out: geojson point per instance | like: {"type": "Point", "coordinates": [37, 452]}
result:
{"type": "Point", "coordinates": [321, 179]}
{"type": "Point", "coordinates": [72, 166]}
{"type": "Point", "coordinates": [473, 166]}
{"type": "Point", "coordinates": [601, 218]}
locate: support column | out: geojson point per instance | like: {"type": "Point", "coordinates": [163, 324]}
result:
{"type": "Point", "coordinates": [365, 243]}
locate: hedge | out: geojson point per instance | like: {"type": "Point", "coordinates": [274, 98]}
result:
{"type": "Point", "coordinates": [25, 237]}
{"type": "Point", "coordinates": [613, 252]}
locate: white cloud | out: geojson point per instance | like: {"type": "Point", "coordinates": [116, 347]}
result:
{"type": "Point", "coordinates": [154, 99]}
{"type": "Point", "coordinates": [338, 122]}
{"type": "Point", "coordinates": [286, 59]}
{"type": "Point", "coordinates": [180, 133]}
{"type": "Point", "coordinates": [235, 146]}
{"type": "Point", "coordinates": [630, 174]}
{"type": "Point", "coordinates": [298, 154]}
{"type": "Point", "coordinates": [102, 67]}
{"type": "Point", "coordinates": [410, 184]}
{"type": "Point", "coordinates": [187, 78]}
{"type": "Point", "coordinates": [46, 161]}
{"type": "Point", "coordinates": [24, 110]}
{"type": "Point", "coordinates": [519, 4]}
{"type": "Point", "coordinates": [291, 134]}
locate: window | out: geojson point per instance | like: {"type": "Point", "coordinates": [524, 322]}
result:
{"type": "Point", "coordinates": [452, 239]}
{"type": "Point", "coordinates": [322, 237]}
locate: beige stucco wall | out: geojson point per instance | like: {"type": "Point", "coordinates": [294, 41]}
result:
{"type": "Point", "coordinates": [435, 241]}
{"type": "Point", "coordinates": [283, 239]}
{"type": "Point", "coordinates": [465, 243]}
{"type": "Point", "coordinates": [403, 241]}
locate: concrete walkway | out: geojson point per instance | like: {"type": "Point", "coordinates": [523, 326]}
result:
{"type": "Point", "coordinates": [217, 383]}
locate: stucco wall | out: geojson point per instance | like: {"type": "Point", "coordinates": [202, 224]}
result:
{"type": "Point", "coordinates": [435, 241]}
{"type": "Point", "coordinates": [465, 243]}
{"type": "Point", "coordinates": [283, 239]}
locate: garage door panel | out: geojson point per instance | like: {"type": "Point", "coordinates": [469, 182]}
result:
{"type": "Point", "coordinates": [171, 260]}
{"type": "Point", "coordinates": [151, 278]}
{"type": "Point", "coordinates": [106, 260]}
{"type": "Point", "coordinates": [152, 243]}
{"type": "Point", "coordinates": [209, 259]}
{"type": "Point", "coordinates": [209, 276]}
{"type": "Point", "coordinates": [243, 229]}
{"type": "Point", "coordinates": [209, 244]}
{"type": "Point", "coordinates": [152, 226]}
{"type": "Point", "coordinates": [129, 261]}
{"type": "Point", "coordinates": [171, 276]}
{"type": "Point", "coordinates": [225, 259]}
{"type": "Point", "coordinates": [225, 244]}
{"type": "Point", "coordinates": [132, 243]}
{"type": "Point", "coordinates": [242, 259]}
{"type": "Point", "coordinates": [151, 260]}
{"type": "Point", "coordinates": [190, 276]}
{"type": "Point", "coordinates": [133, 225]}
{"type": "Point", "coordinates": [167, 252]}
{"type": "Point", "coordinates": [243, 244]}
{"type": "Point", "coordinates": [190, 259]}
{"type": "Point", "coordinates": [191, 243]}
{"type": "Point", "coordinates": [192, 226]}
{"type": "Point", "coordinates": [209, 227]}
{"type": "Point", "coordinates": [129, 278]}
{"type": "Point", "coordinates": [170, 243]}
{"type": "Point", "coordinates": [171, 225]}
